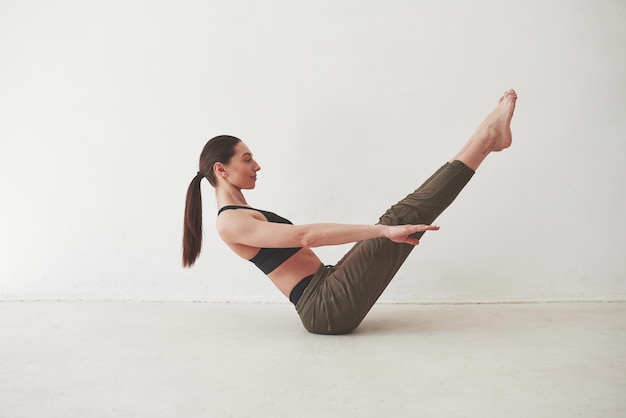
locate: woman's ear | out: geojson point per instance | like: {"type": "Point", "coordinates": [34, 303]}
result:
{"type": "Point", "coordinates": [220, 170]}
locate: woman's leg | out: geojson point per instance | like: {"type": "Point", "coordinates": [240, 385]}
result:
{"type": "Point", "coordinates": [337, 302]}
{"type": "Point", "coordinates": [356, 282]}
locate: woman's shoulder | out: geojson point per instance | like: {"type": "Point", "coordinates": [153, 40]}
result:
{"type": "Point", "coordinates": [230, 219]}
{"type": "Point", "coordinates": [264, 214]}
{"type": "Point", "coordinates": [233, 226]}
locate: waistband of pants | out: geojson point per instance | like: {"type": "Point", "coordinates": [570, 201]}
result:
{"type": "Point", "coordinates": [298, 290]}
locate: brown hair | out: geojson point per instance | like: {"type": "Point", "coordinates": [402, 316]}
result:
{"type": "Point", "coordinates": [219, 149]}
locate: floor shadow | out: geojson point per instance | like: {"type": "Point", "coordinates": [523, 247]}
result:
{"type": "Point", "coordinates": [397, 322]}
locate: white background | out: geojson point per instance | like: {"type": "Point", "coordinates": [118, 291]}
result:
{"type": "Point", "coordinates": [347, 105]}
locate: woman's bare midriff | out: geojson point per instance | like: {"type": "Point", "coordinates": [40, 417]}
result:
{"type": "Point", "coordinates": [295, 268]}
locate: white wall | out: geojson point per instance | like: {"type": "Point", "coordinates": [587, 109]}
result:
{"type": "Point", "coordinates": [348, 105]}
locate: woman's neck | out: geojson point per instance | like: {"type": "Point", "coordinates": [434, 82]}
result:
{"type": "Point", "coordinates": [226, 197]}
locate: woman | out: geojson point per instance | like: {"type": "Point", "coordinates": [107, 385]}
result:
{"type": "Point", "coordinates": [330, 299]}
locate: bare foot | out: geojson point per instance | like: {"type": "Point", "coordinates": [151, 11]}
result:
{"type": "Point", "coordinates": [497, 125]}
{"type": "Point", "coordinates": [494, 134]}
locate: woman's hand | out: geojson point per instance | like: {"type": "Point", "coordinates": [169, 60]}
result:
{"type": "Point", "coordinates": [402, 233]}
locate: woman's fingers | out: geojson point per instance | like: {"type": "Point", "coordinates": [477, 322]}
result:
{"type": "Point", "coordinates": [421, 228]}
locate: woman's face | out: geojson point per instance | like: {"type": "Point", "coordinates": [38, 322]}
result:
{"type": "Point", "coordinates": [242, 168]}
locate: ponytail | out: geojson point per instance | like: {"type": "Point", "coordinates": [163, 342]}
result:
{"type": "Point", "coordinates": [218, 149]}
{"type": "Point", "coordinates": [192, 232]}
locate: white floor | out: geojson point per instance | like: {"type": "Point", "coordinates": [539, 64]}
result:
{"type": "Point", "coordinates": [122, 359]}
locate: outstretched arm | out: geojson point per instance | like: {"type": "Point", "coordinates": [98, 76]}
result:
{"type": "Point", "coordinates": [244, 229]}
{"type": "Point", "coordinates": [319, 235]}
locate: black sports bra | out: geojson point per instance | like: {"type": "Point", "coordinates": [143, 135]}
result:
{"type": "Point", "coordinates": [268, 259]}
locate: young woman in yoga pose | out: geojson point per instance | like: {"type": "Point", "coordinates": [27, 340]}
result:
{"type": "Point", "coordinates": [330, 299]}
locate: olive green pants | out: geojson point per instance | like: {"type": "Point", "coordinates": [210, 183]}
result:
{"type": "Point", "coordinates": [338, 297]}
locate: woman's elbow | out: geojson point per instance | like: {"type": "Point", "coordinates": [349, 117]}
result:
{"type": "Point", "coordinates": [309, 239]}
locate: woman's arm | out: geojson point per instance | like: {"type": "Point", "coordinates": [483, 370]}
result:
{"type": "Point", "coordinates": [245, 229]}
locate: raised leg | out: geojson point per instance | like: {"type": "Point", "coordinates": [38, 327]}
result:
{"type": "Point", "coordinates": [340, 296]}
